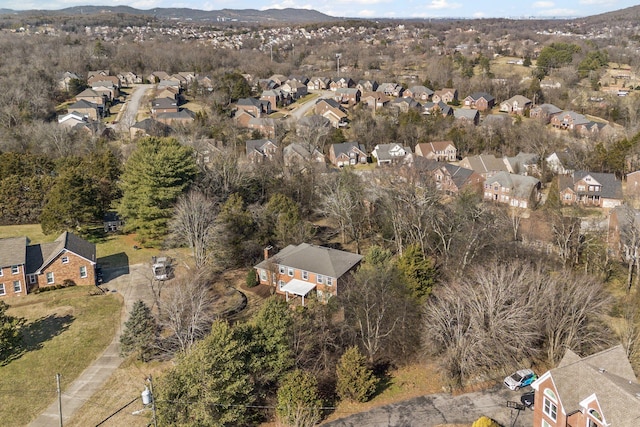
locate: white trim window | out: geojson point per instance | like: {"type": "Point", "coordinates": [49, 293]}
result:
{"type": "Point", "coordinates": [320, 279]}
{"type": "Point", "coordinates": [1, 272]}
{"type": "Point", "coordinates": [329, 281]}
{"type": "Point", "coordinates": [305, 275]}
{"type": "Point", "coordinates": [65, 260]}
{"type": "Point", "coordinates": [17, 286]}
{"type": "Point", "coordinates": [280, 284]}
{"type": "Point", "coordinates": [550, 406]}
{"type": "Point", "coordinates": [546, 424]}
{"type": "Point", "coordinates": [50, 278]}
{"type": "Point", "coordinates": [263, 275]}
{"type": "Point", "coordinates": [282, 269]}
{"type": "Point", "coordinates": [83, 272]}
{"type": "Point", "coordinates": [32, 279]}
{"type": "Point", "coordinates": [2, 291]}
{"type": "Point", "coordinates": [290, 272]}
{"type": "Point", "coordinates": [15, 269]}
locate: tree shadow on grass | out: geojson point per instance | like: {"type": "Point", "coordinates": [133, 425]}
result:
{"type": "Point", "coordinates": [36, 333]}
{"type": "Point", "coordinates": [381, 371]}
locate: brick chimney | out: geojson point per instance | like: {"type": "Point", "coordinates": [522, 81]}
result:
{"type": "Point", "coordinates": [267, 252]}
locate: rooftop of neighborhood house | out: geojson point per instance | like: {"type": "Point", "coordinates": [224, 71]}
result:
{"type": "Point", "coordinates": [12, 251]}
{"type": "Point", "coordinates": [316, 259]}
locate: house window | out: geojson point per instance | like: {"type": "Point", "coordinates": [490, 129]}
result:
{"type": "Point", "coordinates": [290, 272]}
{"type": "Point", "coordinates": [329, 281]}
{"type": "Point", "coordinates": [32, 279]}
{"type": "Point", "coordinates": [550, 408]}
{"type": "Point", "coordinates": [320, 279]}
{"type": "Point", "coordinates": [546, 424]}
{"type": "Point", "coordinates": [17, 287]}
{"type": "Point", "coordinates": [280, 284]}
{"type": "Point", "coordinates": [65, 260]}
{"type": "Point", "coordinates": [83, 272]}
{"type": "Point", "coordinates": [1, 273]}
{"type": "Point", "coordinates": [15, 269]}
{"type": "Point", "coordinates": [50, 278]}
{"type": "Point", "coordinates": [305, 275]}
{"type": "Point", "coordinates": [263, 275]}
{"type": "Point", "coordinates": [282, 269]}
{"type": "Point", "coordinates": [2, 292]}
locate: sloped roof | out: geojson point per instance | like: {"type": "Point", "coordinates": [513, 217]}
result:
{"type": "Point", "coordinates": [420, 89]}
{"type": "Point", "coordinates": [459, 175]}
{"type": "Point", "coordinates": [521, 186]}
{"type": "Point", "coordinates": [81, 105]}
{"type": "Point", "coordinates": [465, 113]}
{"type": "Point", "coordinates": [346, 147]}
{"type": "Point", "coordinates": [521, 100]}
{"type": "Point", "coordinates": [432, 147]}
{"type": "Point", "coordinates": [608, 375]}
{"type": "Point", "coordinates": [485, 163]}
{"type": "Point", "coordinates": [316, 259]}
{"type": "Point", "coordinates": [550, 109]}
{"type": "Point", "coordinates": [88, 92]}
{"type": "Point", "coordinates": [611, 187]}
{"type": "Point", "coordinates": [477, 95]}
{"type": "Point", "coordinates": [13, 251]}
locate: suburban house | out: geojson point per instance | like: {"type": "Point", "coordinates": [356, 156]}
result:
{"type": "Point", "coordinates": [112, 222]}
{"type": "Point", "coordinates": [24, 267]}
{"type": "Point", "coordinates": [514, 190]}
{"type": "Point", "coordinates": [92, 96]}
{"type": "Point", "coordinates": [347, 153]}
{"type": "Point", "coordinates": [260, 149]}
{"type": "Point", "coordinates": [72, 119]}
{"type": "Point", "coordinates": [157, 76]}
{"type": "Point", "coordinates": [391, 89]}
{"type": "Point", "coordinates": [450, 179]}
{"type": "Point", "coordinates": [486, 165]}
{"type": "Point", "coordinates": [294, 88]}
{"type": "Point", "coordinates": [164, 105]}
{"type": "Point", "coordinates": [375, 100]}
{"type": "Point", "coordinates": [405, 104]}
{"type": "Point", "coordinates": [367, 86]}
{"type": "Point", "coordinates": [590, 189]}
{"type": "Point", "coordinates": [624, 232]}
{"type": "Point", "coordinates": [86, 109]}
{"type": "Point", "coordinates": [522, 163]}
{"type": "Point", "coordinates": [332, 111]}
{"type": "Point", "coordinates": [440, 107]}
{"type": "Point", "coordinates": [481, 101]}
{"type": "Point", "coordinates": [446, 95]}
{"type": "Point", "coordinates": [393, 153]}
{"type": "Point", "coordinates": [265, 126]}
{"type": "Point", "coordinates": [148, 127]}
{"type": "Point", "coordinates": [298, 155]}
{"type": "Point", "coordinates": [569, 120]}
{"type": "Point", "coordinates": [419, 93]}
{"type": "Point", "coordinates": [299, 270]}
{"type": "Point", "coordinates": [544, 112]}
{"type": "Point", "coordinates": [593, 391]}
{"type": "Point", "coordinates": [517, 104]}
{"type": "Point", "coordinates": [276, 97]}
{"type": "Point", "coordinates": [65, 79]}
{"type": "Point", "coordinates": [558, 162]}
{"type": "Point", "coordinates": [173, 118]}
{"type": "Point", "coordinates": [254, 106]}
{"type": "Point", "coordinates": [442, 151]}
{"type": "Point", "coordinates": [470, 116]}
{"type": "Point", "coordinates": [341, 82]}
{"type": "Point", "coordinates": [347, 95]}
{"type": "Point", "coordinates": [318, 83]}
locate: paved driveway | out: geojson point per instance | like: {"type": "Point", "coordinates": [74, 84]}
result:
{"type": "Point", "coordinates": [443, 408]}
{"type": "Point", "coordinates": [131, 283]}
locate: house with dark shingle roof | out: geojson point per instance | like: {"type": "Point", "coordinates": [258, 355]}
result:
{"type": "Point", "coordinates": [467, 115]}
{"type": "Point", "coordinates": [544, 112]}
{"type": "Point", "coordinates": [481, 101]}
{"type": "Point", "coordinates": [347, 153]}
{"type": "Point", "coordinates": [442, 151]}
{"type": "Point", "coordinates": [260, 149]}
{"type": "Point", "coordinates": [304, 269]}
{"type": "Point", "coordinates": [590, 189]}
{"type": "Point", "coordinates": [25, 268]}
{"type": "Point", "coordinates": [593, 391]}
{"type": "Point", "coordinates": [569, 120]}
{"type": "Point", "coordinates": [517, 104]}
{"type": "Point", "coordinates": [449, 178]}
{"type": "Point", "coordinates": [486, 165]}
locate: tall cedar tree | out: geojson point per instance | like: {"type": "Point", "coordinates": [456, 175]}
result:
{"type": "Point", "coordinates": [418, 272]}
{"type": "Point", "coordinates": [208, 385]}
{"type": "Point", "coordinates": [155, 175]}
{"type": "Point", "coordinates": [356, 381]}
{"type": "Point", "coordinates": [10, 332]}
{"type": "Point", "coordinates": [298, 400]}
{"type": "Point", "coordinates": [139, 332]}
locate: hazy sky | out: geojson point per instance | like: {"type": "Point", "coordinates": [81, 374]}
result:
{"type": "Point", "coordinates": [367, 8]}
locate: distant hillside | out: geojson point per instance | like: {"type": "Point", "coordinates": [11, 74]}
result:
{"type": "Point", "coordinates": [184, 14]}
{"type": "Point", "coordinates": [629, 14]}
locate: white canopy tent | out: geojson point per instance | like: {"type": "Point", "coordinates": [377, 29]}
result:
{"type": "Point", "coordinates": [297, 287]}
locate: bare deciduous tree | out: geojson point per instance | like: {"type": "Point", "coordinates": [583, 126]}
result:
{"type": "Point", "coordinates": [193, 224]}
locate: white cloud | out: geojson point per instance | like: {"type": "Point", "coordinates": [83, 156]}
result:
{"type": "Point", "coordinates": [479, 15]}
{"type": "Point", "coordinates": [598, 2]}
{"type": "Point", "coordinates": [543, 4]}
{"type": "Point", "coordinates": [442, 4]}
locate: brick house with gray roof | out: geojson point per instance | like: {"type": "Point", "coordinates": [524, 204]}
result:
{"type": "Point", "coordinates": [303, 270]}
{"type": "Point", "coordinates": [514, 190]}
{"type": "Point", "coordinates": [481, 101]}
{"type": "Point", "coordinates": [25, 268]}
{"type": "Point", "coordinates": [590, 189]}
{"type": "Point", "coordinates": [486, 165]}
{"type": "Point", "coordinates": [593, 391]}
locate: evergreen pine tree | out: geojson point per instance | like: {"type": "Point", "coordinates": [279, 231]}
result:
{"type": "Point", "coordinates": [356, 381]}
{"type": "Point", "coordinates": [139, 331]}
{"type": "Point", "coordinates": [298, 400]}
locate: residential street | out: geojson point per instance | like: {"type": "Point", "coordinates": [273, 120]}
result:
{"type": "Point", "coordinates": [127, 115]}
{"type": "Point", "coordinates": [442, 408]}
{"type": "Point", "coordinates": [131, 283]}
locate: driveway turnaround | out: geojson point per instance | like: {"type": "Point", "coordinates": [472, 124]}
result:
{"type": "Point", "coordinates": [132, 286]}
{"type": "Point", "coordinates": [443, 408]}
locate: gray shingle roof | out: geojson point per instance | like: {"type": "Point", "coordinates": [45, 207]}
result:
{"type": "Point", "coordinates": [315, 259]}
{"type": "Point", "coordinates": [13, 251]}
{"type": "Point", "coordinates": [611, 187]}
{"type": "Point", "coordinates": [521, 186]}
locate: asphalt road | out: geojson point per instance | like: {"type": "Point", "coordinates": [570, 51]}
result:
{"type": "Point", "coordinates": [129, 111]}
{"type": "Point", "coordinates": [443, 408]}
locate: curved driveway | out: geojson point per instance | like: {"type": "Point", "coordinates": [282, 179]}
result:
{"type": "Point", "coordinates": [129, 111]}
{"type": "Point", "coordinates": [132, 286]}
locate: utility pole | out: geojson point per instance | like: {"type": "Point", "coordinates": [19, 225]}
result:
{"type": "Point", "coordinates": [59, 397]}
{"type": "Point", "coordinates": [153, 402]}
{"type": "Point", "coordinates": [338, 56]}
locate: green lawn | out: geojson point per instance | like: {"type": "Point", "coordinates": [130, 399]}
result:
{"type": "Point", "coordinates": [66, 330]}
{"type": "Point", "coordinates": [32, 231]}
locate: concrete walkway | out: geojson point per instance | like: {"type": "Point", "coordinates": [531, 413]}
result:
{"type": "Point", "coordinates": [132, 286]}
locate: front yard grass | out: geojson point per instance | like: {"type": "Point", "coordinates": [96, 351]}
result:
{"type": "Point", "coordinates": [66, 330]}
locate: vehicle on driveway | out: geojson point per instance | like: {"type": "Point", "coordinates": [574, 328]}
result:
{"type": "Point", "coordinates": [528, 398]}
{"type": "Point", "coordinates": [519, 379]}
{"type": "Point", "coordinates": [162, 268]}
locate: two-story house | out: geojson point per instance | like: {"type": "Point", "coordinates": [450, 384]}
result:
{"type": "Point", "coordinates": [24, 267]}
{"type": "Point", "coordinates": [446, 95]}
{"type": "Point", "coordinates": [387, 154]}
{"type": "Point", "coordinates": [260, 149]}
{"type": "Point", "coordinates": [593, 391]}
{"type": "Point", "coordinates": [347, 153]}
{"type": "Point", "coordinates": [481, 101]}
{"type": "Point", "coordinates": [518, 191]}
{"type": "Point", "coordinates": [486, 165]}
{"type": "Point", "coordinates": [517, 104]}
{"type": "Point", "coordinates": [442, 151]}
{"type": "Point", "coordinates": [298, 270]}
{"type": "Point", "coordinates": [590, 189]}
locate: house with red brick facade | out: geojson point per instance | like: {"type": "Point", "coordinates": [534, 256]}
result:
{"type": "Point", "coordinates": [25, 268]}
{"type": "Point", "coordinates": [481, 101]}
{"type": "Point", "coordinates": [303, 270]}
{"type": "Point", "coordinates": [442, 151]}
{"type": "Point", "coordinates": [590, 189]}
{"type": "Point", "coordinates": [518, 191]}
{"type": "Point", "coordinates": [593, 391]}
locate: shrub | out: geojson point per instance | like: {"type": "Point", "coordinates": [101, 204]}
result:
{"type": "Point", "coordinates": [252, 278]}
{"type": "Point", "coordinates": [485, 422]}
{"type": "Point", "coordinates": [356, 381]}
{"type": "Point", "coordinates": [68, 283]}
